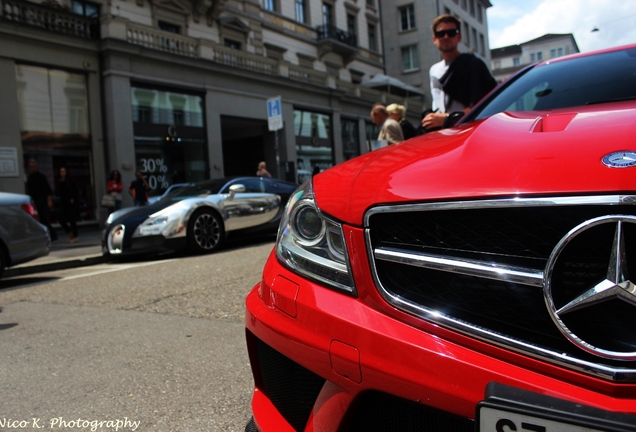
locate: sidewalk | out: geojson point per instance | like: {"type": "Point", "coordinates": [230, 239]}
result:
{"type": "Point", "coordinates": [87, 251]}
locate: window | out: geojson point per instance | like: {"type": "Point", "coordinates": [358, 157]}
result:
{"type": "Point", "coordinates": [327, 14]}
{"type": "Point", "coordinates": [407, 17]}
{"type": "Point", "coordinates": [53, 108]}
{"type": "Point", "coordinates": [533, 57]}
{"type": "Point", "coordinates": [539, 56]}
{"type": "Point", "coordinates": [175, 152]}
{"type": "Point", "coordinates": [314, 145]}
{"type": "Point", "coordinates": [86, 9]}
{"type": "Point", "coordinates": [350, 138]}
{"type": "Point", "coordinates": [232, 44]}
{"type": "Point", "coordinates": [552, 53]}
{"type": "Point", "coordinates": [169, 27]}
{"type": "Point", "coordinates": [480, 13]}
{"type": "Point", "coordinates": [165, 108]}
{"type": "Point", "coordinates": [351, 24]}
{"type": "Point", "coordinates": [472, 7]}
{"type": "Point", "coordinates": [559, 52]}
{"type": "Point", "coordinates": [497, 64]}
{"type": "Point", "coordinates": [516, 61]}
{"type": "Point", "coordinates": [410, 59]}
{"type": "Point", "coordinates": [270, 5]}
{"type": "Point", "coordinates": [466, 35]}
{"type": "Point", "coordinates": [464, 5]}
{"type": "Point", "coordinates": [301, 16]}
{"type": "Point", "coordinates": [373, 45]}
{"type": "Point", "coordinates": [371, 3]}
{"type": "Point", "coordinates": [474, 37]}
{"type": "Point", "coordinates": [482, 44]}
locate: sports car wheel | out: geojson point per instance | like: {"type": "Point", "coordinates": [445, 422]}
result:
{"type": "Point", "coordinates": [205, 231]}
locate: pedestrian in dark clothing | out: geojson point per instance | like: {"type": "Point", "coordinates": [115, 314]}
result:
{"type": "Point", "coordinates": [458, 81]}
{"type": "Point", "coordinates": [38, 188]}
{"type": "Point", "coordinates": [138, 189]}
{"type": "Point", "coordinates": [69, 196]}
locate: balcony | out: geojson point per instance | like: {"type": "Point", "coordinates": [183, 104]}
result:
{"type": "Point", "coordinates": [51, 19]}
{"type": "Point", "coordinates": [333, 39]}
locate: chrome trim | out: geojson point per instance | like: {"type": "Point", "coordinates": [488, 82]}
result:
{"type": "Point", "coordinates": [466, 267]}
{"type": "Point", "coordinates": [503, 203]}
{"type": "Point", "coordinates": [115, 239]}
{"type": "Point", "coordinates": [480, 333]}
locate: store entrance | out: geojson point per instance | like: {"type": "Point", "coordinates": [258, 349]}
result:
{"type": "Point", "coordinates": [244, 146]}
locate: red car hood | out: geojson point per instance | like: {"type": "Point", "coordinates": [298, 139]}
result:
{"type": "Point", "coordinates": [509, 154]}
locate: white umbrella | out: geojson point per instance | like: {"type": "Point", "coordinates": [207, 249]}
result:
{"type": "Point", "coordinates": [388, 82]}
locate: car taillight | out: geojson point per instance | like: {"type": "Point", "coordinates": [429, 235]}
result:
{"type": "Point", "coordinates": [30, 209]}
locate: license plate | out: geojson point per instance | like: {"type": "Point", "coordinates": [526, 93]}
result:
{"type": "Point", "coordinates": [497, 420]}
{"type": "Point", "coordinates": [510, 409]}
{"type": "Point", "coordinates": [150, 230]}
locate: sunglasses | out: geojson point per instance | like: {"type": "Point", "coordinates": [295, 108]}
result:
{"type": "Point", "coordinates": [450, 33]}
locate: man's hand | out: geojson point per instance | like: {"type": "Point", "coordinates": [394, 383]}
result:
{"type": "Point", "coordinates": [433, 121]}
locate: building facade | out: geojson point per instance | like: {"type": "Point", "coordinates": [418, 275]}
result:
{"type": "Point", "coordinates": [178, 89]}
{"type": "Point", "coordinates": [508, 60]}
{"type": "Point", "coordinates": [408, 47]}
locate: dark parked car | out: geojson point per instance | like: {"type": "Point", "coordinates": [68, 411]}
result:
{"type": "Point", "coordinates": [22, 237]}
{"type": "Point", "coordinates": [198, 217]}
{"type": "Point", "coordinates": [478, 278]}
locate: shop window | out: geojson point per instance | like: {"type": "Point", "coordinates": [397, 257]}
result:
{"type": "Point", "coordinates": [372, 132]}
{"type": "Point", "coordinates": [314, 145]}
{"type": "Point", "coordinates": [350, 138]}
{"type": "Point", "coordinates": [169, 135]}
{"type": "Point", "coordinates": [55, 131]}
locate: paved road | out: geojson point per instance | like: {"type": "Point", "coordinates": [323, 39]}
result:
{"type": "Point", "coordinates": [155, 342]}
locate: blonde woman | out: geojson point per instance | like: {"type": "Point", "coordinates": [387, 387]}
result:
{"type": "Point", "coordinates": [262, 170]}
{"type": "Point", "coordinates": [396, 112]}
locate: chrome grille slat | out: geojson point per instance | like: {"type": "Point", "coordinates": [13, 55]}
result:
{"type": "Point", "coordinates": [466, 267]}
{"type": "Point", "coordinates": [479, 267]}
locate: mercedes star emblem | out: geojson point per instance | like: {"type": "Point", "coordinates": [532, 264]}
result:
{"type": "Point", "coordinates": [615, 285]}
{"type": "Point", "coordinates": [620, 159]}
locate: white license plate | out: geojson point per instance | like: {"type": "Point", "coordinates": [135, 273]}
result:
{"type": "Point", "coordinates": [150, 230]}
{"type": "Point", "coordinates": [496, 420]}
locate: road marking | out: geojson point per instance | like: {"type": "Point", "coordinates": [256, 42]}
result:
{"type": "Point", "coordinates": [115, 267]}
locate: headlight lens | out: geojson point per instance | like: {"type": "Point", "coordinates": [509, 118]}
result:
{"type": "Point", "coordinates": [313, 245]}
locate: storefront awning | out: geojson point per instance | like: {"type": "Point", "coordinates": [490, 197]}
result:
{"type": "Point", "coordinates": [392, 86]}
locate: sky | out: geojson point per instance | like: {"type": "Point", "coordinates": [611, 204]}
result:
{"type": "Point", "coordinates": [512, 22]}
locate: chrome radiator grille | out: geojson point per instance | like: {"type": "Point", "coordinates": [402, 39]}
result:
{"type": "Point", "coordinates": [481, 267]}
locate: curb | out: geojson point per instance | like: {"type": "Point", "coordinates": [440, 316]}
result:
{"type": "Point", "coordinates": [83, 261]}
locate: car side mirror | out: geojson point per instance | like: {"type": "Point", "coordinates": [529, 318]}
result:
{"type": "Point", "coordinates": [236, 188]}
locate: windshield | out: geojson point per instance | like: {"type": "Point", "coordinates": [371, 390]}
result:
{"type": "Point", "coordinates": [199, 189]}
{"type": "Point", "coordinates": [583, 81]}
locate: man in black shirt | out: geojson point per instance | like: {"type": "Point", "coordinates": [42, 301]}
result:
{"type": "Point", "coordinates": [138, 189]}
{"type": "Point", "coordinates": [40, 191]}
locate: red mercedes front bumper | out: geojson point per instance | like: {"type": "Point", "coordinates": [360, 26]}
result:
{"type": "Point", "coordinates": [325, 361]}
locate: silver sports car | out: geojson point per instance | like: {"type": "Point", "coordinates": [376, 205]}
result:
{"type": "Point", "coordinates": [198, 217]}
{"type": "Point", "coordinates": [22, 237]}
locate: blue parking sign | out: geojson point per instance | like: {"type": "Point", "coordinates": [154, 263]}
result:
{"type": "Point", "coordinates": [274, 114]}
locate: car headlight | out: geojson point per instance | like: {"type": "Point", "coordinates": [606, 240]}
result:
{"type": "Point", "coordinates": [312, 244]}
{"type": "Point", "coordinates": [167, 222]}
